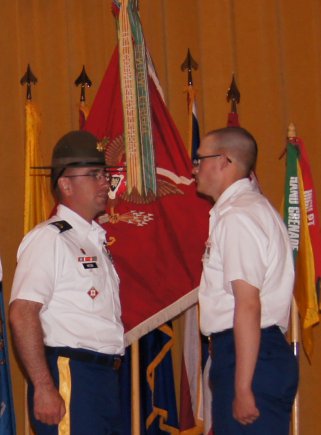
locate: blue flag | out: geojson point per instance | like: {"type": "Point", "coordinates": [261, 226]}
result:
{"type": "Point", "coordinates": [158, 393]}
{"type": "Point", "coordinates": [158, 412]}
{"type": "Point", "coordinates": [7, 416]}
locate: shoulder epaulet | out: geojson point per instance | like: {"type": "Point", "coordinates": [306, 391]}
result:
{"type": "Point", "coordinates": [61, 225]}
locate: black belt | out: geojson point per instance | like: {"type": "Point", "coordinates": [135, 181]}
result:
{"type": "Point", "coordinates": [84, 355]}
{"type": "Point", "coordinates": [272, 328]}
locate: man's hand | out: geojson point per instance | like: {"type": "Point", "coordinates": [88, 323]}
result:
{"type": "Point", "coordinates": [49, 407]}
{"type": "Point", "coordinates": [244, 408]}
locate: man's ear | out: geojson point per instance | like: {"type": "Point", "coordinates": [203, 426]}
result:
{"type": "Point", "coordinates": [64, 186]}
{"type": "Point", "coordinates": [224, 162]}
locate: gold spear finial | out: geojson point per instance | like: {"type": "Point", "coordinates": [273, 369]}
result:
{"type": "Point", "coordinates": [291, 131]}
{"type": "Point", "coordinates": [28, 79]}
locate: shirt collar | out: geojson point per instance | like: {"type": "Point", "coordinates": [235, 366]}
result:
{"type": "Point", "coordinates": [242, 185]}
{"type": "Point", "coordinates": [82, 227]}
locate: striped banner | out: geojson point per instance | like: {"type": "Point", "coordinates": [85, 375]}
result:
{"type": "Point", "coordinates": [302, 221]}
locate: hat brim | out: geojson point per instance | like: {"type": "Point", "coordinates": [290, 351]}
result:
{"type": "Point", "coordinates": [82, 165]}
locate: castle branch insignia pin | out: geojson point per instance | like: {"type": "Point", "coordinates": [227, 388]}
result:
{"type": "Point", "coordinates": [93, 293]}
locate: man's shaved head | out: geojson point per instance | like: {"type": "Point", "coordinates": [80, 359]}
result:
{"type": "Point", "coordinates": [238, 144]}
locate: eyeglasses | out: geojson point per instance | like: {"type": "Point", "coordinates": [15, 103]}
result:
{"type": "Point", "coordinates": [196, 162]}
{"type": "Point", "coordinates": [98, 176]}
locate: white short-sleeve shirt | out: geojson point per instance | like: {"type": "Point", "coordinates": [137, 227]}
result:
{"type": "Point", "coordinates": [247, 241]}
{"type": "Point", "coordinates": [71, 274]}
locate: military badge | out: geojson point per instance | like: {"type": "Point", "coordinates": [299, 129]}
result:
{"type": "Point", "coordinates": [93, 293]}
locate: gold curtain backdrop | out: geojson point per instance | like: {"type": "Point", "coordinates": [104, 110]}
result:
{"type": "Point", "coordinates": [272, 46]}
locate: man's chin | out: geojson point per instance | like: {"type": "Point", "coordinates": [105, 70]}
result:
{"type": "Point", "coordinates": [203, 193]}
{"type": "Point", "coordinates": [102, 204]}
{"type": "Point", "coordinates": [199, 189]}
{"type": "Point", "coordinates": [100, 213]}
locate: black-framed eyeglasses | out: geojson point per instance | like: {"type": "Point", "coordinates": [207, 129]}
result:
{"type": "Point", "coordinates": [196, 162]}
{"type": "Point", "coordinates": [96, 175]}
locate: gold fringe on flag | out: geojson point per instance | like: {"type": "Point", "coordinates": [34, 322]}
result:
{"type": "Point", "coordinates": [128, 87]}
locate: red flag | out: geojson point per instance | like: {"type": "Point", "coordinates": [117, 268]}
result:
{"type": "Point", "coordinates": [157, 246]}
{"type": "Point", "coordinates": [83, 114]}
{"type": "Point", "coordinates": [311, 208]}
{"type": "Point", "coordinates": [233, 120]}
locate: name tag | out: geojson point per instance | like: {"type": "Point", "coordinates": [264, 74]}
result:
{"type": "Point", "coordinates": [90, 265]}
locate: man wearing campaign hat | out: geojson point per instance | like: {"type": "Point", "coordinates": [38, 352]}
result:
{"type": "Point", "coordinates": [65, 310]}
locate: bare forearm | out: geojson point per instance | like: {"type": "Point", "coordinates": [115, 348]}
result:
{"type": "Point", "coordinates": [247, 335]}
{"type": "Point", "coordinates": [247, 332]}
{"type": "Point", "coordinates": [28, 340]}
{"type": "Point", "coordinates": [49, 406]}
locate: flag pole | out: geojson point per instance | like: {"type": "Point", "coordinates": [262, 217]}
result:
{"type": "Point", "coordinates": [135, 382]}
{"type": "Point", "coordinates": [294, 331]}
{"type": "Point", "coordinates": [189, 64]}
{"type": "Point", "coordinates": [295, 347]}
{"type": "Point", "coordinates": [27, 79]}
{"type": "Point", "coordinates": [84, 82]}
{"type": "Point", "coordinates": [234, 97]}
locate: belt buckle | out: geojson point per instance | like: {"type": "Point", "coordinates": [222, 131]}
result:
{"type": "Point", "coordinates": [116, 363]}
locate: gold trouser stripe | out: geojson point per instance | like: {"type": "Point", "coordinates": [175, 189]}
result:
{"type": "Point", "coordinates": [65, 392]}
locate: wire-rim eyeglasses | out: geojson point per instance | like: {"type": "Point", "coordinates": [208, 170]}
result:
{"type": "Point", "coordinates": [96, 175]}
{"type": "Point", "coordinates": [196, 162]}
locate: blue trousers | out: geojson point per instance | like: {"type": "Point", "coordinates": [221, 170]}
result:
{"type": "Point", "coordinates": [274, 385]}
{"type": "Point", "coordinates": [94, 400]}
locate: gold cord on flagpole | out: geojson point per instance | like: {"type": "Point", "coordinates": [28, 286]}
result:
{"type": "Point", "coordinates": [291, 130]}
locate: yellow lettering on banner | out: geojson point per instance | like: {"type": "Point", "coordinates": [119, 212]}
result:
{"type": "Point", "coordinates": [294, 226]}
{"type": "Point", "coordinates": [308, 200]}
{"type": "Point", "coordinates": [311, 219]}
{"type": "Point", "coordinates": [294, 191]}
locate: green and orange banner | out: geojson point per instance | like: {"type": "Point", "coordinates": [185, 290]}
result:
{"type": "Point", "coordinates": [302, 220]}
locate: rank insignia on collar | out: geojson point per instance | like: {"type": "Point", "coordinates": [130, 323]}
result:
{"type": "Point", "coordinates": [207, 252]}
{"type": "Point", "coordinates": [93, 293]}
{"type": "Point", "coordinates": [107, 251]}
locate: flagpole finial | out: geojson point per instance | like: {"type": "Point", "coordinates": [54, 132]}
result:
{"type": "Point", "coordinates": [189, 64]}
{"type": "Point", "coordinates": [28, 78]}
{"type": "Point", "coordinates": [291, 130]}
{"type": "Point", "coordinates": [84, 82]}
{"type": "Point", "coordinates": [233, 95]}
